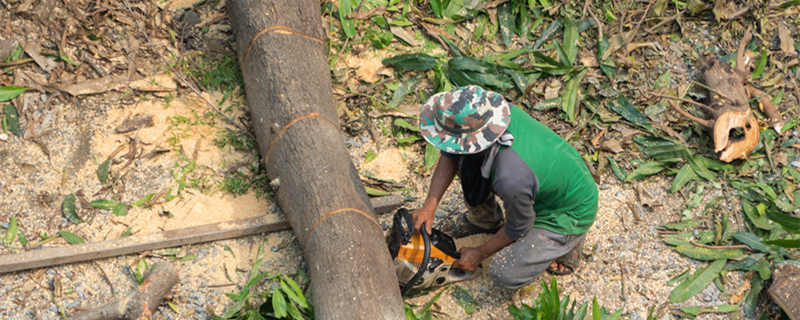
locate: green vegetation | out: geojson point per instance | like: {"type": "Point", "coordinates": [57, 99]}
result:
{"type": "Point", "coordinates": [549, 305]}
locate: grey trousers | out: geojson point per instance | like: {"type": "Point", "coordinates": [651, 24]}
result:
{"type": "Point", "coordinates": [524, 260]}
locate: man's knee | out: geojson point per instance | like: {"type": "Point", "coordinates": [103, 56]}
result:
{"type": "Point", "coordinates": [508, 275]}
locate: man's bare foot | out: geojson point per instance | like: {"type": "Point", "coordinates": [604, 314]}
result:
{"type": "Point", "coordinates": [559, 268]}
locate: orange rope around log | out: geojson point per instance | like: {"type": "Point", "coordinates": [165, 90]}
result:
{"type": "Point", "coordinates": [337, 211]}
{"type": "Point", "coordinates": [279, 29]}
{"type": "Point", "coordinates": [289, 125]}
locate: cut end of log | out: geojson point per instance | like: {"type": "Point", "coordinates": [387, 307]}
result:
{"type": "Point", "coordinates": [742, 147]}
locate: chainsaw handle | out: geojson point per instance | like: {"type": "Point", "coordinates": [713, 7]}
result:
{"type": "Point", "coordinates": [425, 260]}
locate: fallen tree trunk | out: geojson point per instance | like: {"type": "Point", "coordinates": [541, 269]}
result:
{"type": "Point", "coordinates": [142, 301]}
{"type": "Point", "coordinates": [287, 80]}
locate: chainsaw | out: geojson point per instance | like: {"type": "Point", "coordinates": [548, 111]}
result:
{"type": "Point", "coordinates": [423, 260]}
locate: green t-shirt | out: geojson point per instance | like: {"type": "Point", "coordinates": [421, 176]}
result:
{"type": "Point", "coordinates": [566, 200]}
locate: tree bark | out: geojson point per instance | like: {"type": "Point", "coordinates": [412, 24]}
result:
{"type": "Point", "coordinates": [142, 301]}
{"type": "Point", "coordinates": [286, 76]}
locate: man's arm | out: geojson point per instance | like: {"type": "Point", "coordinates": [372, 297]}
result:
{"type": "Point", "coordinates": [442, 177]}
{"type": "Point", "coordinates": [471, 257]}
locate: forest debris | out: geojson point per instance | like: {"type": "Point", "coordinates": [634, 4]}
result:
{"type": "Point", "coordinates": [156, 83]}
{"type": "Point", "coordinates": [33, 51]}
{"type": "Point", "coordinates": [135, 123]}
{"type": "Point", "coordinates": [142, 301]}
{"type": "Point", "coordinates": [785, 289]}
{"type": "Point", "coordinates": [97, 85]}
{"type": "Point", "coordinates": [787, 45]}
{"type": "Point", "coordinates": [404, 35]}
{"type": "Point", "coordinates": [611, 145]}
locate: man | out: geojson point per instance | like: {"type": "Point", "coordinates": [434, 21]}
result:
{"type": "Point", "coordinates": [549, 196]}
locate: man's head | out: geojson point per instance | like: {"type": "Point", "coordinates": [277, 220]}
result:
{"type": "Point", "coordinates": [465, 120]}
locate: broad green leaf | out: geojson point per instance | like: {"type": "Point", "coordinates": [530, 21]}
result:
{"type": "Point", "coordinates": [572, 91]}
{"type": "Point", "coordinates": [371, 155]}
{"type": "Point", "coordinates": [697, 310]}
{"type": "Point", "coordinates": [789, 223]}
{"type": "Point", "coordinates": [696, 282]}
{"type": "Point", "coordinates": [102, 171]}
{"type": "Point", "coordinates": [506, 20]}
{"type": "Point", "coordinates": [687, 224]}
{"type": "Point", "coordinates": [762, 62]}
{"type": "Point", "coordinates": [348, 25]}
{"type": "Point", "coordinates": [11, 234]}
{"type": "Point", "coordinates": [402, 123]}
{"type": "Point", "coordinates": [402, 91]}
{"type": "Point", "coordinates": [464, 299]}
{"type": "Point", "coordinates": [278, 303]}
{"type": "Point", "coordinates": [685, 175]}
{"type": "Point", "coordinates": [431, 156]}
{"type": "Point", "coordinates": [298, 292]}
{"type": "Point", "coordinates": [10, 92]}
{"type": "Point", "coordinates": [293, 297]}
{"type": "Point", "coordinates": [143, 200]}
{"type": "Point", "coordinates": [22, 239]}
{"type": "Point", "coordinates": [786, 243]}
{"type": "Point", "coordinates": [705, 254]}
{"type": "Point", "coordinates": [70, 237]}
{"type": "Point", "coordinates": [547, 104]}
{"type": "Point", "coordinates": [68, 209]}
{"type": "Point", "coordinates": [141, 270]}
{"type": "Point", "coordinates": [411, 61]}
{"type": "Point", "coordinates": [756, 217]}
{"type": "Point", "coordinates": [751, 300]}
{"type": "Point", "coordinates": [547, 33]}
{"type": "Point", "coordinates": [11, 120]}
{"type": "Point", "coordinates": [408, 139]}
{"type": "Point", "coordinates": [680, 277]}
{"type": "Point", "coordinates": [570, 42]}
{"type": "Point", "coordinates": [646, 169]}
{"type": "Point", "coordinates": [752, 241]}
{"type": "Point", "coordinates": [616, 169]}
{"type": "Point", "coordinates": [116, 207]}
{"type": "Point", "coordinates": [624, 108]}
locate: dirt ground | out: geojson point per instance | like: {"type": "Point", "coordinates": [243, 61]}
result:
{"type": "Point", "coordinates": [116, 61]}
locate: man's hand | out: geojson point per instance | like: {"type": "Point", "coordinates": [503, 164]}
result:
{"type": "Point", "coordinates": [470, 259]}
{"type": "Point", "coordinates": [423, 215]}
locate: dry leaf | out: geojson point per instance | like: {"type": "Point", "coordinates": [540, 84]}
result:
{"type": "Point", "coordinates": [611, 145]}
{"type": "Point", "coordinates": [404, 35]}
{"type": "Point", "coordinates": [367, 69]}
{"type": "Point", "coordinates": [740, 292]}
{"type": "Point", "coordinates": [135, 123]}
{"type": "Point", "coordinates": [596, 139]}
{"type": "Point", "coordinates": [552, 89]}
{"type": "Point", "coordinates": [157, 83]}
{"type": "Point", "coordinates": [33, 51]}
{"type": "Point", "coordinates": [97, 85]}
{"type": "Point", "coordinates": [787, 45]}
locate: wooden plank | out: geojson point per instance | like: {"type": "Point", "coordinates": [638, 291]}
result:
{"type": "Point", "coordinates": [51, 256]}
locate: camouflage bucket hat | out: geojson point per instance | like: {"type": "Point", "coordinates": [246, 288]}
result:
{"type": "Point", "coordinates": [465, 120]}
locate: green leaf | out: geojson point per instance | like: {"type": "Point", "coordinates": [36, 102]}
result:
{"type": "Point", "coordinates": [646, 169]}
{"type": "Point", "coordinates": [697, 310]}
{"type": "Point", "coordinates": [696, 282]}
{"type": "Point", "coordinates": [11, 120]}
{"type": "Point", "coordinates": [373, 192]}
{"type": "Point", "coordinates": [22, 240]}
{"type": "Point", "coordinates": [278, 303]}
{"type": "Point", "coordinates": [547, 104]}
{"type": "Point", "coordinates": [141, 269]}
{"type": "Point", "coordinates": [143, 200]}
{"type": "Point", "coordinates": [571, 91]}
{"type": "Point", "coordinates": [464, 299]}
{"type": "Point", "coordinates": [68, 209]}
{"type": "Point", "coordinates": [705, 254]}
{"type": "Point", "coordinates": [70, 237]}
{"type": "Point", "coordinates": [752, 241]}
{"type": "Point", "coordinates": [506, 20]}
{"type": "Point", "coordinates": [786, 243]}
{"type": "Point", "coordinates": [663, 80]}
{"type": "Point", "coordinates": [293, 295]}
{"type": "Point", "coordinates": [756, 217]}
{"type": "Point", "coordinates": [680, 277]}
{"type": "Point", "coordinates": [685, 175]}
{"type": "Point", "coordinates": [102, 171]}
{"type": "Point", "coordinates": [348, 25]}
{"type": "Point", "coordinates": [759, 69]}
{"type": "Point", "coordinates": [12, 231]}
{"type": "Point", "coordinates": [116, 207]}
{"type": "Point", "coordinates": [302, 301]}
{"type": "Point", "coordinates": [789, 223]}
{"type": "Point", "coordinates": [371, 155]}
{"type": "Point", "coordinates": [10, 92]}
{"type": "Point", "coordinates": [402, 123]}
{"type": "Point", "coordinates": [411, 61]}
{"type": "Point", "coordinates": [686, 224]}
{"type": "Point", "coordinates": [570, 46]}
{"type": "Point", "coordinates": [751, 300]}
{"type": "Point", "coordinates": [547, 33]}
{"type": "Point", "coordinates": [431, 156]}
{"type": "Point", "coordinates": [616, 169]}
{"type": "Point", "coordinates": [402, 91]}
{"type": "Point", "coordinates": [624, 108]}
